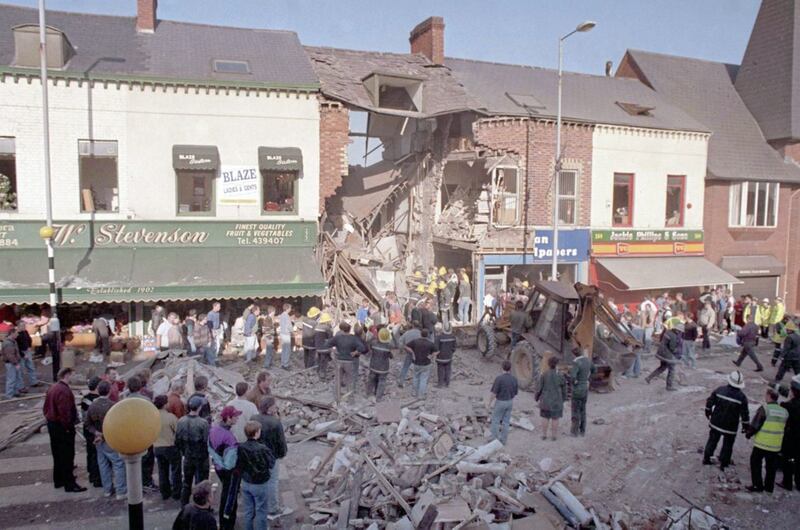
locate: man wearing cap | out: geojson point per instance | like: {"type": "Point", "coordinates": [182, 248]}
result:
{"type": "Point", "coordinates": [762, 317]}
{"type": "Point", "coordinates": [380, 354]}
{"type": "Point", "coordinates": [445, 344]}
{"type": "Point", "coordinates": [668, 355]}
{"type": "Point", "coordinates": [322, 334]}
{"type": "Point", "coordinates": [767, 432]}
{"type": "Point", "coordinates": [790, 451]}
{"type": "Point", "coordinates": [788, 354]}
{"type": "Point", "coordinates": [308, 323]}
{"type": "Point", "coordinates": [222, 449]}
{"type": "Point", "coordinates": [724, 408]}
{"type": "Point", "coordinates": [191, 439]}
{"type": "Point", "coordinates": [747, 337]}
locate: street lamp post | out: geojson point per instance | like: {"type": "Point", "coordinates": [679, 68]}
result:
{"type": "Point", "coordinates": [582, 28]}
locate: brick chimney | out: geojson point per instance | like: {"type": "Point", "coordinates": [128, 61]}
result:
{"type": "Point", "coordinates": [428, 39]}
{"type": "Point", "coordinates": [146, 16]}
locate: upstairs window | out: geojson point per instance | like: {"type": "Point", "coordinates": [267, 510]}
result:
{"type": "Point", "coordinates": [567, 197]}
{"type": "Point", "coordinates": [98, 176]}
{"type": "Point", "coordinates": [8, 175]}
{"type": "Point", "coordinates": [231, 67]}
{"type": "Point", "coordinates": [280, 191]}
{"type": "Point", "coordinates": [505, 196]}
{"type": "Point", "coordinates": [622, 203]}
{"type": "Point", "coordinates": [676, 192]}
{"type": "Point", "coordinates": [753, 204]}
{"type": "Point", "coordinates": [26, 47]}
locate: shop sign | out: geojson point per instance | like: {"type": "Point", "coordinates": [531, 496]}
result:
{"type": "Point", "coordinates": [158, 234]}
{"type": "Point", "coordinates": [238, 185]}
{"type": "Point", "coordinates": [647, 242]}
{"type": "Point", "coordinates": [573, 247]}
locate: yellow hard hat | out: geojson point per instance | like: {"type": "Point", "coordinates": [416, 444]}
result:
{"type": "Point", "coordinates": [418, 274]}
{"type": "Point", "coordinates": [442, 271]}
{"type": "Point", "coordinates": [525, 284]}
{"type": "Point", "coordinates": [421, 289]}
{"type": "Point", "coordinates": [325, 318]}
{"type": "Point", "coordinates": [432, 288]}
{"type": "Point", "coordinates": [465, 277]}
{"type": "Point", "coordinates": [384, 335]}
{"type": "Point", "coordinates": [791, 326]}
{"type": "Point", "coordinates": [442, 285]}
{"type": "Point", "coordinates": [313, 312]}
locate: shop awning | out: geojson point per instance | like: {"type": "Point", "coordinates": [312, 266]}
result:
{"type": "Point", "coordinates": [665, 273]}
{"type": "Point", "coordinates": [195, 157]}
{"type": "Point", "coordinates": [145, 275]}
{"type": "Point", "coordinates": [280, 158]}
{"type": "Point", "coordinates": [753, 265]}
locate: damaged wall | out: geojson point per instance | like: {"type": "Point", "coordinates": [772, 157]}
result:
{"type": "Point", "coordinates": [334, 138]}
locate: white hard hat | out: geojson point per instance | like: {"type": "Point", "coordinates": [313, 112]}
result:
{"type": "Point", "coordinates": [735, 379]}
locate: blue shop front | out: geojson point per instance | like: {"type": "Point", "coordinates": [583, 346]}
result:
{"type": "Point", "coordinates": [499, 271]}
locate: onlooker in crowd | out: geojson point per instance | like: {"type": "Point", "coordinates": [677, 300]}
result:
{"type": "Point", "coordinates": [204, 341]}
{"type": "Point", "coordinates": [25, 344]}
{"type": "Point", "coordinates": [156, 318]}
{"type": "Point", "coordinates": [62, 416]}
{"type": "Point", "coordinates": [117, 386]}
{"type": "Point", "coordinates": [322, 334]}
{"type": "Point", "coordinates": [145, 374]}
{"type": "Point", "coordinates": [749, 310]}
{"type": "Point", "coordinates": [766, 429]}
{"type": "Point", "coordinates": [268, 336]}
{"type": "Point", "coordinates": [464, 296]}
{"type": "Point", "coordinates": [254, 462]}
{"type": "Point", "coordinates": [214, 322]}
{"type": "Point", "coordinates": [112, 467]}
{"type": "Point", "coordinates": [247, 409]}
{"type": "Point", "coordinates": [222, 448]}
{"type": "Point", "coordinates": [261, 389]}
{"type": "Point", "coordinates": [191, 439]}
{"type": "Point", "coordinates": [174, 335]}
{"type": "Point", "coordinates": [790, 450]}
{"type": "Point", "coordinates": [706, 320]}
{"type": "Point", "coordinates": [520, 322]}
{"type": "Point", "coordinates": [422, 350]}
{"type": "Point", "coordinates": [428, 318]}
{"type": "Point", "coordinates": [724, 407]}
{"type": "Point", "coordinates": [379, 363]}
{"type": "Point", "coordinates": [445, 344]}
{"type": "Point", "coordinates": [789, 354]}
{"type": "Point", "coordinates": [91, 449]}
{"type": "Point", "coordinates": [200, 385]}
{"type": "Point", "coordinates": [348, 348]}
{"type": "Point", "coordinates": [249, 331]}
{"type": "Point", "coordinates": [12, 359]}
{"type": "Point", "coordinates": [551, 395]}
{"type": "Point", "coordinates": [52, 340]}
{"type": "Point", "coordinates": [167, 454]}
{"type": "Point", "coordinates": [198, 515]}
{"type": "Point", "coordinates": [102, 331]}
{"type": "Point", "coordinates": [175, 403]}
{"type": "Point", "coordinates": [410, 334]}
{"type": "Point", "coordinates": [135, 390]}
{"type": "Point", "coordinates": [668, 355]}
{"type": "Point", "coordinates": [190, 323]}
{"type": "Point", "coordinates": [581, 372]}
{"type": "Point", "coordinates": [647, 320]}
{"type": "Point", "coordinates": [285, 328]}
{"type": "Point", "coordinates": [688, 339]}
{"type": "Point", "coordinates": [504, 389]}
{"type": "Point", "coordinates": [307, 325]}
{"type": "Point", "coordinates": [679, 304]}
{"type": "Point", "coordinates": [274, 439]}
{"type": "Point", "coordinates": [162, 332]}
{"type": "Point", "coordinates": [747, 337]}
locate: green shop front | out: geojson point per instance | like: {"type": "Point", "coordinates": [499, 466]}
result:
{"type": "Point", "coordinates": [127, 266]}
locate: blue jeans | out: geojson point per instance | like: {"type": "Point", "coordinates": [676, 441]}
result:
{"type": "Point", "coordinates": [636, 367]}
{"type": "Point", "coordinates": [501, 420]}
{"type": "Point", "coordinates": [420, 381]}
{"type": "Point", "coordinates": [286, 350]}
{"type": "Point", "coordinates": [111, 467]}
{"type": "Point", "coordinates": [272, 489]}
{"type": "Point", "coordinates": [13, 380]}
{"type": "Point", "coordinates": [648, 338]}
{"type": "Point", "coordinates": [192, 347]}
{"type": "Point", "coordinates": [29, 368]}
{"type": "Point", "coordinates": [250, 347]}
{"type": "Point", "coordinates": [689, 358]}
{"type": "Point", "coordinates": [463, 310]}
{"type": "Point", "coordinates": [254, 502]}
{"type": "Point", "coordinates": [404, 370]}
{"type": "Point", "coordinates": [207, 354]}
{"type": "Point", "coordinates": [269, 353]}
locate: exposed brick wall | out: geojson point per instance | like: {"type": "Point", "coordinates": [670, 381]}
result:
{"type": "Point", "coordinates": [509, 135]}
{"type": "Point", "coordinates": [427, 38]}
{"type": "Point", "coordinates": [334, 137]}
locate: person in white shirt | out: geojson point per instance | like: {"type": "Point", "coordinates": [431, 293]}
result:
{"type": "Point", "coordinates": [163, 334]}
{"type": "Point", "coordinates": [247, 409]}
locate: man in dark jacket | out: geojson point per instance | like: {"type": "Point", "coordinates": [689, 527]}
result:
{"type": "Point", "coordinates": [112, 467]}
{"type": "Point", "coordinates": [789, 354]}
{"type": "Point", "coordinates": [446, 346]}
{"type": "Point", "coordinates": [520, 322]}
{"type": "Point", "coordinates": [348, 348]}
{"type": "Point", "coordinates": [198, 515]}
{"type": "Point", "coordinates": [91, 449]}
{"type": "Point", "coordinates": [428, 318]}
{"type": "Point", "coordinates": [379, 362]}
{"type": "Point", "coordinates": [254, 462]}
{"type": "Point", "coordinates": [668, 355]}
{"type": "Point", "coordinates": [322, 334]}
{"type": "Point", "coordinates": [747, 337]}
{"type": "Point", "coordinates": [582, 370]}
{"type": "Point", "coordinates": [725, 407]}
{"type": "Point", "coordinates": [274, 439]}
{"type": "Point", "coordinates": [200, 385]}
{"type": "Point", "coordinates": [62, 416]}
{"type": "Point", "coordinates": [191, 439]}
{"type": "Point", "coordinates": [790, 452]}
{"type": "Point", "coordinates": [307, 324]}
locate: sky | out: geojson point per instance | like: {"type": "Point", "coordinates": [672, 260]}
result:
{"type": "Point", "coordinates": [509, 31]}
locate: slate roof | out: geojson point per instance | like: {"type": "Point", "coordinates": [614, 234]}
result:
{"type": "Point", "coordinates": [586, 98]}
{"type": "Point", "coordinates": [737, 148]}
{"type": "Point", "coordinates": [111, 45]}
{"type": "Point", "coordinates": [770, 67]}
{"type": "Point", "coordinates": [341, 73]}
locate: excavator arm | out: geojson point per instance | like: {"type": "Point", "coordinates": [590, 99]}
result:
{"type": "Point", "coordinates": [593, 309]}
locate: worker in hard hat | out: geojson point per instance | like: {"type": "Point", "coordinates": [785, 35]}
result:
{"type": "Point", "coordinates": [323, 332]}
{"type": "Point", "coordinates": [379, 363]}
{"type": "Point", "coordinates": [789, 353]}
{"type": "Point", "coordinates": [308, 323]}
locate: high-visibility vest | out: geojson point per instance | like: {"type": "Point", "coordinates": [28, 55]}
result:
{"type": "Point", "coordinates": [770, 437]}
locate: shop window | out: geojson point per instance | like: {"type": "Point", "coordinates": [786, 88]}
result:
{"type": "Point", "coordinates": [622, 214]}
{"type": "Point", "coordinates": [567, 197]}
{"type": "Point", "coordinates": [195, 192]}
{"type": "Point", "coordinates": [676, 190]}
{"type": "Point", "coordinates": [753, 204]}
{"type": "Point", "coordinates": [505, 196]}
{"type": "Point", "coordinates": [8, 175]}
{"type": "Point", "coordinates": [98, 176]}
{"type": "Point", "coordinates": [280, 191]}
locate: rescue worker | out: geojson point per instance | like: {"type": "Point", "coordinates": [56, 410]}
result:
{"type": "Point", "coordinates": [790, 451]}
{"type": "Point", "coordinates": [724, 408]}
{"type": "Point", "coordinates": [763, 317]}
{"type": "Point", "coordinates": [581, 372]}
{"type": "Point", "coordinates": [379, 362]}
{"type": "Point", "coordinates": [446, 346]}
{"type": "Point", "coordinates": [668, 355]}
{"type": "Point", "coordinates": [520, 322]}
{"type": "Point", "coordinates": [322, 333]}
{"type": "Point", "coordinates": [777, 313]}
{"type": "Point", "coordinates": [789, 354]}
{"type": "Point", "coordinates": [414, 299]}
{"type": "Point", "coordinates": [767, 433]}
{"type": "Point", "coordinates": [747, 337]}
{"type": "Point", "coordinates": [308, 323]}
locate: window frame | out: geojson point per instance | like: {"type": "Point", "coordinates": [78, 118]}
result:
{"type": "Point", "coordinates": [263, 191]}
{"type": "Point", "coordinates": [631, 195]}
{"type": "Point", "coordinates": [194, 173]}
{"type": "Point", "coordinates": [215, 62]}
{"type": "Point", "coordinates": [518, 215]}
{"type": "Point", "coordinates": [12, 155]}
{"type": "Point", "coordinates": [80, 174]}
{"type": "Point", "coordinates": [574, 197]}
{"type": "Point", "coordinates": [682, 201]}
{"type": "Point", "coordinates": [744, 189]}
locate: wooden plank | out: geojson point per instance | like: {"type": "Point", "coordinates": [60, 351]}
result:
{"type": "Point", "coordinates": [387, 486]}
{"type": "Point", "coordinates": [343, 520]}
{"type": "Point", "coordinates": [444, 468]}
{"type": "Point", "coordinates": [453, 511]}
{"type": "Point", "coordinates": [355, 492]}
{"type": "Point", "coordinates": [327, 458]}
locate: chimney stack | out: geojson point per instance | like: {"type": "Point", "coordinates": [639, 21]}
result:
{"type": "Point", "coordinates": [146, 16]}
{"type": "Point", "coordinates": [427, 38]}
